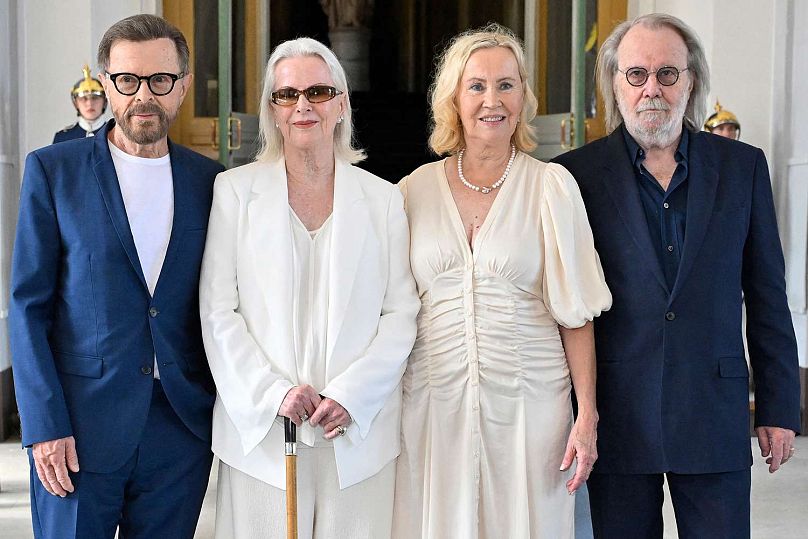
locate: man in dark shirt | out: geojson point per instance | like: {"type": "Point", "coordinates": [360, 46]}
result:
{"type": "Point", "coordinates": [684, 224]}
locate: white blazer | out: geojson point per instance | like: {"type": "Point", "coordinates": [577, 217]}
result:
{"type": "Point", "coordinates": [246, 309]}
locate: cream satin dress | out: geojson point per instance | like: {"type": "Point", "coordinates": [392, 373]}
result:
{"type": "Point", "coordinates": [486, 411]}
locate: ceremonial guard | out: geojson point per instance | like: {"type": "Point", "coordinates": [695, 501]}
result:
{"type": "Point", "coordinates": [90, 101]}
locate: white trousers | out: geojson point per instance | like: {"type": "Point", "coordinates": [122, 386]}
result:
{"type": "Point", "coordinates": [247, 508]}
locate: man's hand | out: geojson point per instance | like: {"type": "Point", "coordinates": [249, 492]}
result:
{"type": "Point", "coordinates": [53, 459]}
{"type": "Point", "coordinates": [777, 444]}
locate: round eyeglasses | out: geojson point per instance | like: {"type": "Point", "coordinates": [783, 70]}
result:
{"type": "Point", "coordinates": [159, 83]}
{"type": "Point", "coordinates": [666, 75]}
{"type": "Point", "coordinates": [319, 93]}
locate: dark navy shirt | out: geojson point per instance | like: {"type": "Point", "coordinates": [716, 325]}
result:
{"type": "Point", "coordinates": [665, 211]}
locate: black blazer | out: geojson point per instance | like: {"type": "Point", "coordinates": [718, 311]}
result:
{"type": "Point", "coordinates": [672, 386]}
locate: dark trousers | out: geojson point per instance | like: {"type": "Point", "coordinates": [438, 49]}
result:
{"type": "Point", "coordinates": [157, 494]}
{"type": "Point", "coordinates": [705, 505]}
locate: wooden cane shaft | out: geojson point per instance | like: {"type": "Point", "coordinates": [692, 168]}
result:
{"type": "Point", "coordinates": [291, 497]}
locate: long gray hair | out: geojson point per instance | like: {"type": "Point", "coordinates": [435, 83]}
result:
{"type": "Point", "coordinates": [270, 136]}
{"type": "Point", "coordinates": [696, 64]}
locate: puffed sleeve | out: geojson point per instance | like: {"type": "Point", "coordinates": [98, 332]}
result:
{"type": "Point", "coordinates": [573, 284]}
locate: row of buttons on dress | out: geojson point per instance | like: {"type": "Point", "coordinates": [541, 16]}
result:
{"type": "Point", "coordinates": [474, 372]}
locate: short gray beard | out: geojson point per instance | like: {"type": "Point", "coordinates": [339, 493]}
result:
{"type": "Point", "coordinates": [148, 133]}
{"type": "Point", "coordinates": [659, 137]}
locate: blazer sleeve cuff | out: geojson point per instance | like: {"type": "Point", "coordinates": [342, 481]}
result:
{"type": "Point", "coordinates": [252, 435]}
{"type": "Point", "coordinates": [361, 424]}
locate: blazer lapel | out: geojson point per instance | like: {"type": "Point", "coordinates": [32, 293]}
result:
{"type": "Point", "coordinates": [104, 170]}
{"type": "Point", "coordinates": [270, 239]}
{"type": "Point", "coordinates": [182, 208]}
{"type": "Point", "coordinates": [620, 181]}
{"type": "Point", "coordinates": [702, 186]}
{"type": "Point", "coordinates": [351, 221]}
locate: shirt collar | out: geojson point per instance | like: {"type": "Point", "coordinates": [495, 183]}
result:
{"type": "Point", "coordinates": [637, 154]}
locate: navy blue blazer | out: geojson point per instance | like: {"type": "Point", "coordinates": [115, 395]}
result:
{"type": "Point", "coordinates": [72, 132]}
{"type": "Point", "coordinates": [672, 387]}
{"type": "Point", "coordinates": [84, 328]}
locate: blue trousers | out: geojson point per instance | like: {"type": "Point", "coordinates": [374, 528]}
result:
{"type": "Point", "coordinates": [157, 494]}
{"type": "Point", "coordinates": [706, 505]}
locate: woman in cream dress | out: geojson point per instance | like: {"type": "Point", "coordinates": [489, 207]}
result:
{"type": "Point", "coordinates": [308, 312]}
{"type": "Point", "coordinates": [509, 282]}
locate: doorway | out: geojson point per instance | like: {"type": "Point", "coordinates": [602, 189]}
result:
{"type": "Point", "coordinates": [391, 112]}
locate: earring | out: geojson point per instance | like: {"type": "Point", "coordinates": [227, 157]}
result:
{"type": "Point", "coordinates": [339, 120]}
{"type": "Point", "coordinates": [276, 124]}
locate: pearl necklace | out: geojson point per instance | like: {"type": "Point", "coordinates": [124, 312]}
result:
{"type": "Point", "coordinates": [484, 190]}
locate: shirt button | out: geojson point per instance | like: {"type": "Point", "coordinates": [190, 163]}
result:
{"type": "Point", "coordinates": [670, 248]}
{"type": "Point", "coordinates": [670, 315]}
{"type": "Point", "coordinates": [153, 312]}
{"type": "Point", "coordinates": [145, 370]}
{"type": "Point", "coordinates": [666, 205]}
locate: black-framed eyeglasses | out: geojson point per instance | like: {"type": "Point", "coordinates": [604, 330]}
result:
{"type": "Point", "coordinates": [319, 93]}
{"type": "Point", "coordinates": [666, 75]}
{"type": "Point", "coordinates": [129, 83]}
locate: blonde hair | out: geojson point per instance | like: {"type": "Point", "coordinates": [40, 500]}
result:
{"type": "Point", "coordinates": [446, 129]}
{"type": "Point", "coordinates": [271, 147]}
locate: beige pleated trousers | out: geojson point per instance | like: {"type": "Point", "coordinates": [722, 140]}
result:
{"type": "Point", "coordinates": [247, 508]}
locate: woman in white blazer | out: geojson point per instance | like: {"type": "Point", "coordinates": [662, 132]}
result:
{"type": "Point", "coordinates": [308, 312]}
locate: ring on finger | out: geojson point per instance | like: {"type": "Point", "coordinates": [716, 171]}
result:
{"type": "Point", "coordinates": [341, 430]}
{"type": "Point", "coordinates": [304, 416]}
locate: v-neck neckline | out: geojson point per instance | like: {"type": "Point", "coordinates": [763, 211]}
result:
{"type": "Point", "coordinates": [312, 233]}
{"type": "Point", "coordinates": [473, 247]}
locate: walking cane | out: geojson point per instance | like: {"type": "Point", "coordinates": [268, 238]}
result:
{"type": "Point", "coordinates": [291, 477]}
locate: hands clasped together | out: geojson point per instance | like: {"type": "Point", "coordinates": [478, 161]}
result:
{"type": "Point", "coordinates": [304, 403]}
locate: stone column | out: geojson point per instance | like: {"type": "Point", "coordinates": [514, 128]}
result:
{"type": "Point", "coordinates": [352, 47]}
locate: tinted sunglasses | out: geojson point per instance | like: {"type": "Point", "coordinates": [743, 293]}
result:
{"type": "Point", "coordinates": [318, 93]}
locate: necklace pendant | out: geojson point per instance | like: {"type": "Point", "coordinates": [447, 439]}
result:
{"type": "Point", "coordinates": [485, 190]}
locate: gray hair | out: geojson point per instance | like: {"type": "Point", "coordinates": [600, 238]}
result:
{"type": "Point", "coordinates": [696, 64]}
{"type": "Point", "coordinates": [270, 136]}
{"type": "Point", "coordinates": [143, 27]}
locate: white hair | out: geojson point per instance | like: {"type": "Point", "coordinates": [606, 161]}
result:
{"type": "Point", "coordinates": [696, 64]}
{"type": "Point", "coordinates": [271, 148]}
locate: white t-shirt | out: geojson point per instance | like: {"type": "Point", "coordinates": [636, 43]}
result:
{"type": "Point", "coordinates": [148, 195]}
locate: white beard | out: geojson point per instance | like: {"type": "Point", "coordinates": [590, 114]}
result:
{"type": "Point", "coordinates": [653, 133]}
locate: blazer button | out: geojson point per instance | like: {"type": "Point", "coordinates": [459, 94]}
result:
{"type": "Point", "coordinates": [145, 369]}
{"type": "Point", "coordinates": [670, 315]}
{"type": "Point", "coordinates": [153, 312]}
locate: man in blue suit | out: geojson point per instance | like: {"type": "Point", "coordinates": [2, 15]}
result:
{"type": "Point", "coordinates": [113, 387]}
{"type": "Point", "coordinates": [684, 224]}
